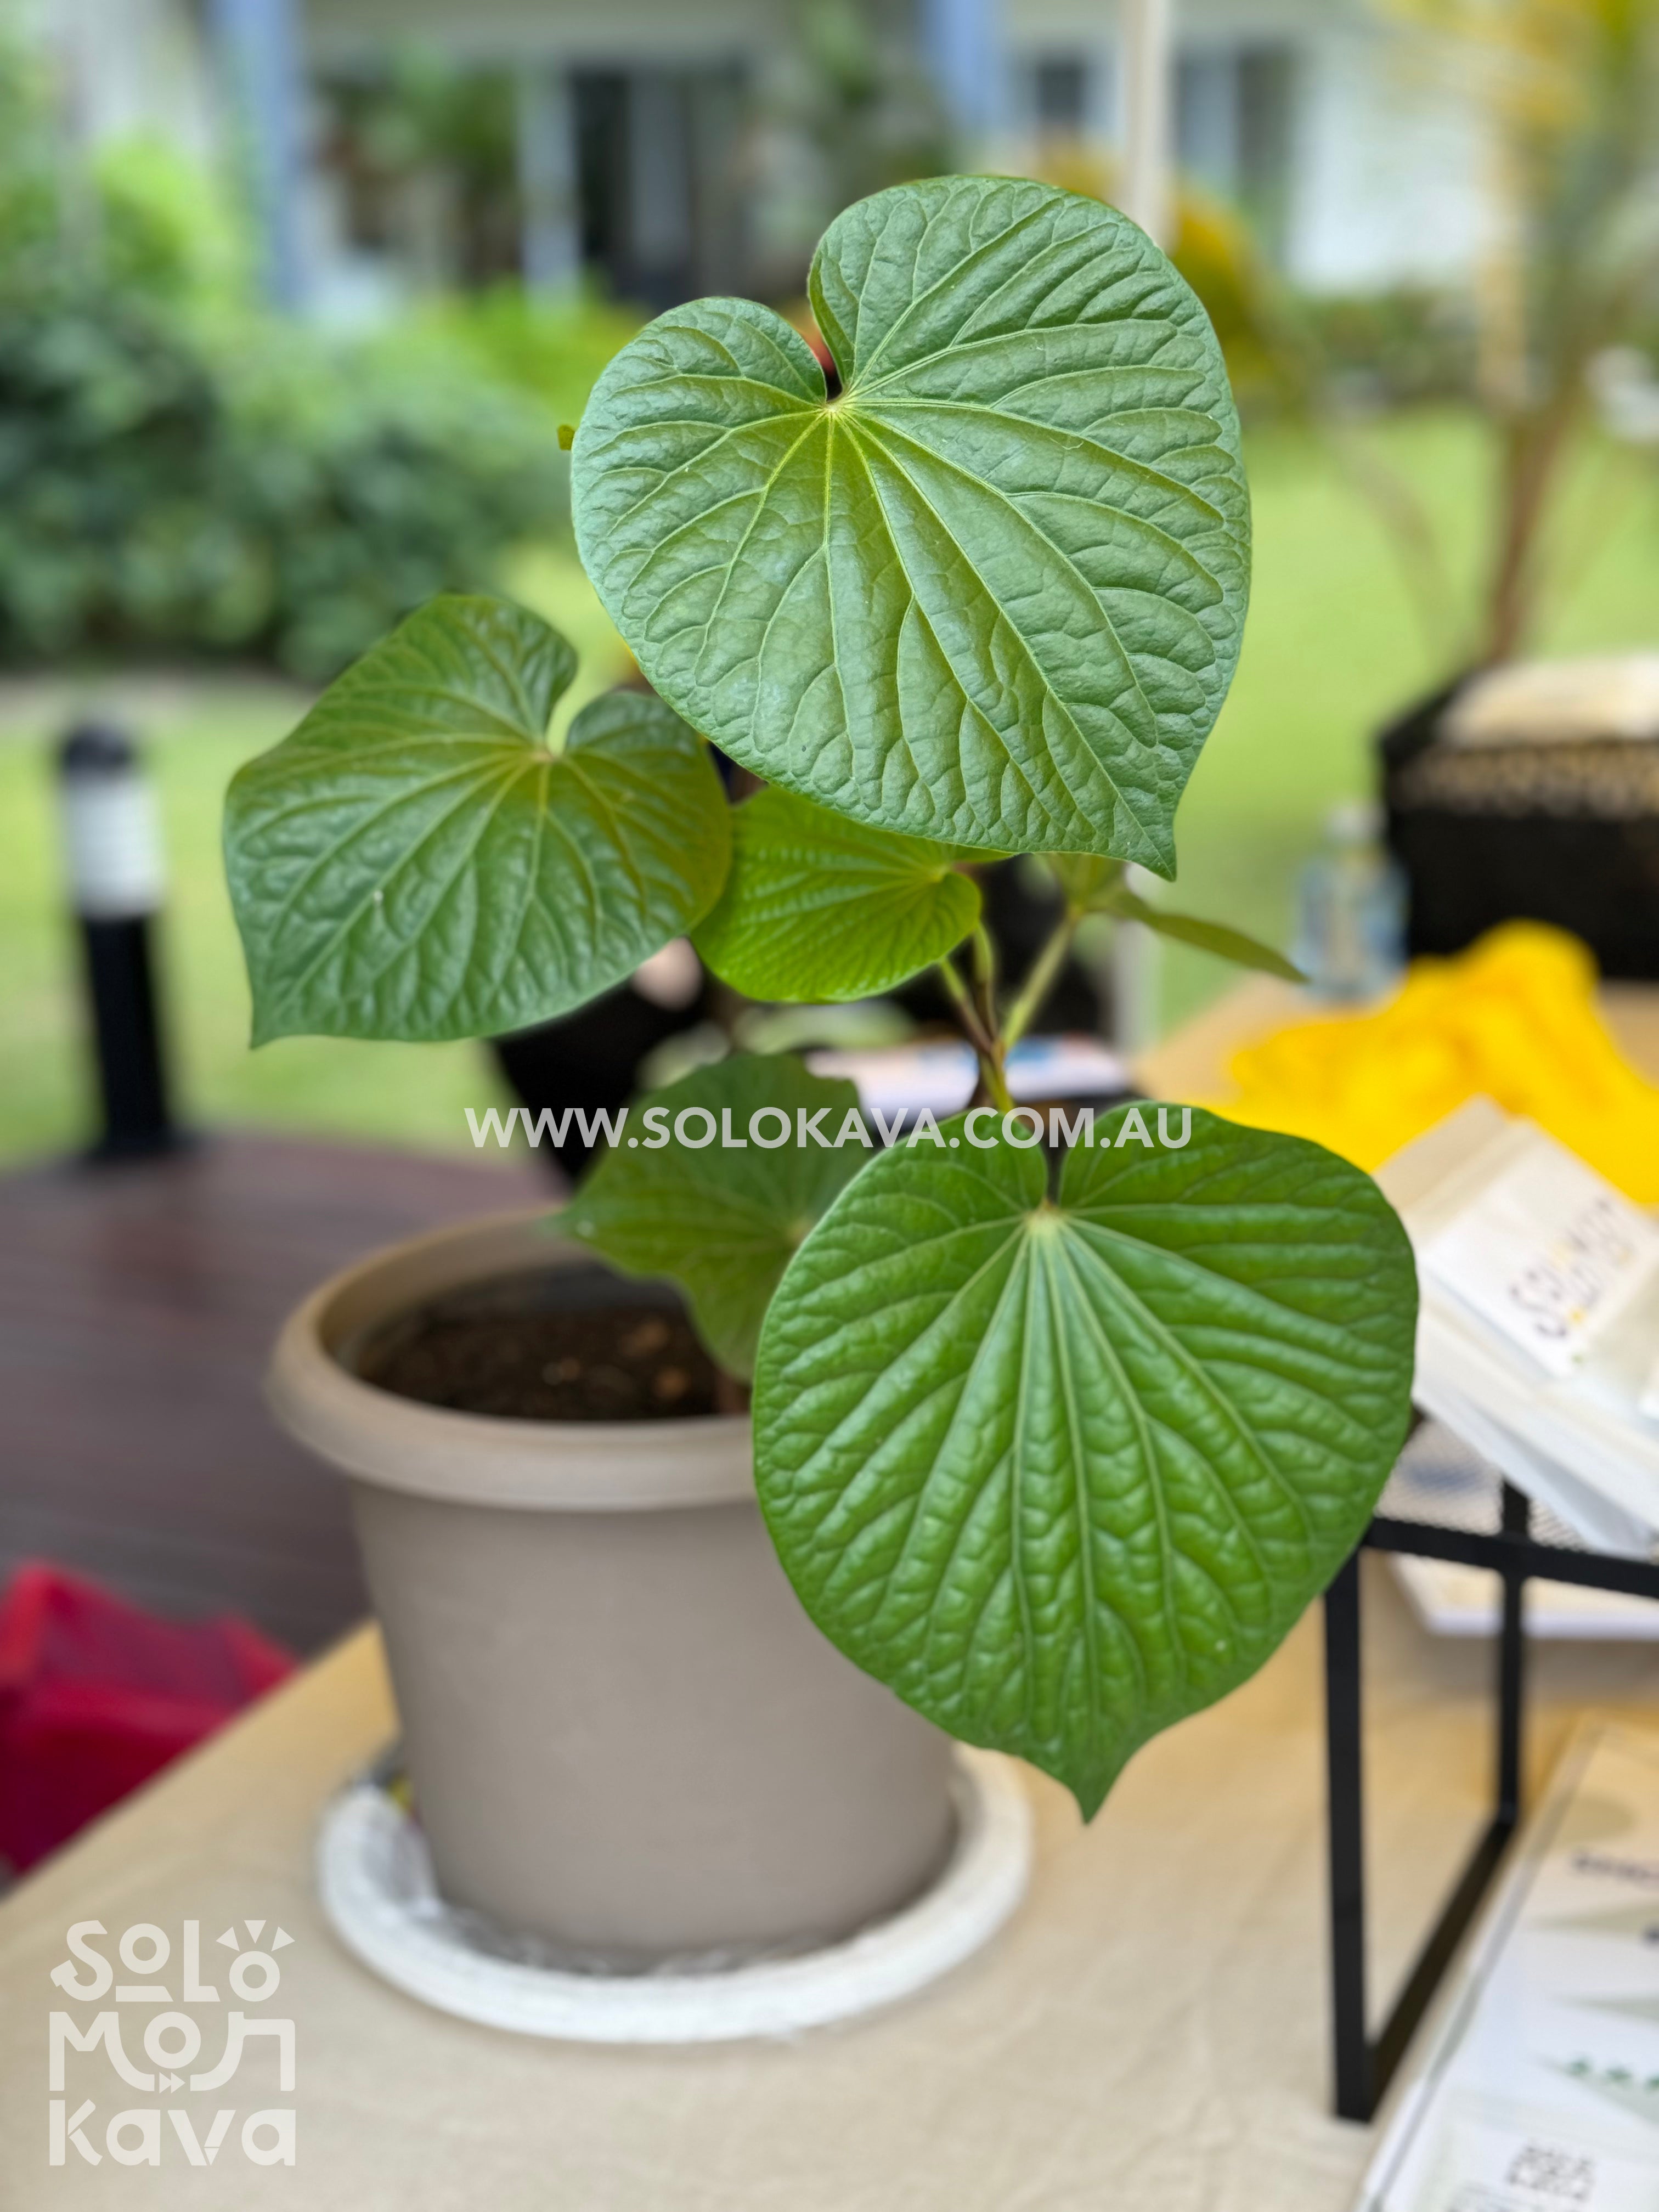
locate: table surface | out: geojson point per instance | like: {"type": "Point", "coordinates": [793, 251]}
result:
{"type": "Point", "coordinates": [1150, 2031]}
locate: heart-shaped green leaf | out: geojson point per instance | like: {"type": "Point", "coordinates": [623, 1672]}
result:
{"type": "Point", "coordinates": [992, 593]}
{"type": "Point", "coordinates": [414, 861]}
{"type": "Point", "coordinates": [1061, 1471]}
{"type": "Point", "coordinates": [720, 1177]}
{"type": "Point", "coordinates": [818, 908]}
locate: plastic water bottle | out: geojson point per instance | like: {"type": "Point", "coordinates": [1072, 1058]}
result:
{"type": "Point", "coordinates": [1351, 933]}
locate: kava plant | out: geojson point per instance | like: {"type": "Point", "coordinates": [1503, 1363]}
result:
{"type": "Point", "coordinates": [1059, 1448]}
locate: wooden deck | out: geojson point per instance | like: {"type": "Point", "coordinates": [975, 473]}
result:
{"type": "Point", "coordinates": [137, 1305]}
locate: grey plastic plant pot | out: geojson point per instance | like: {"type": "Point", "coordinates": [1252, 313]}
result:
{"type": "Point", "coordinates": [625, 1736]}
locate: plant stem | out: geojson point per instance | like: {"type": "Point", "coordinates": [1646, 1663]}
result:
{"type": "Point", "coordinates": [967, 1011]}
{"type": "Point", "coordinates": [995, 1082]}
{"type": "Point", "coordinates": [1045, 969]}
{"type": "Point", "coordinates": [985, 986]}
{"type": "Point", "coordinates": [985, 1042]}
{"type": "Point", "coordinates": [985, 977]}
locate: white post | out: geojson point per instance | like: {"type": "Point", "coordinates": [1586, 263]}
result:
{"type": "Point", "coordinates": [1149, 115]}
{"type": "Point", "coordinates": [1147, 198]}
{"type": "Point", "coordinates": [962, 40]}
{"type": "Point", "coordinates": [259, 45]}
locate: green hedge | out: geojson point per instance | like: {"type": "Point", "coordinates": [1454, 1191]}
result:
{"type": "Point", "coordinates": [168, 487]}
{"type": "Point", "coordinates": [183, 473]}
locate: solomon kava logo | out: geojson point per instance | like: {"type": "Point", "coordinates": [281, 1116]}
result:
{"type": "Point", "coordinates": [150, 2041]}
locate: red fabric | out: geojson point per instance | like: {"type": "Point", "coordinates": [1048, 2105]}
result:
{"type": "Point", "coordinates": [95, 1696]}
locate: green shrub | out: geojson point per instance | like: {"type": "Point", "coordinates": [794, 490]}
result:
{"type": "Point", "coordinates": [180, 473]}
{"type": "Point", "coordinates": [367, 486]}
{"type": "Point", "coordinates": [166, 486]}
{"type": "Point", "coordinates": [1395, 349]}
{"type": "Point", "coordinates": [552, 348]}
{"type": "Point", "coordinates": [106, 418]}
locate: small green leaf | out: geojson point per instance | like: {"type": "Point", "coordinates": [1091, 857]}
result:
{"type": "Point", "coordinates": [1208, 936]}
{"type": "Point", "coordinates": [991, 594]}
{"type": "Point", "coordinates": [818, 908]}
{"type": "Point", "coordinates": [413, 861]}
{"type": "Point", "coordinates": [1060, 1472]}
{"type": "Point", "coordinates": [721, 1219]}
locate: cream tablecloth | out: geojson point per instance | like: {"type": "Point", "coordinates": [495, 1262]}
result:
{"type": "Point", "coordinates": [1148, 2035]}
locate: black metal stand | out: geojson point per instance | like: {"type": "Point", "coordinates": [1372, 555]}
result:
{"type": "Point", "coordinates": [1364, 2066]}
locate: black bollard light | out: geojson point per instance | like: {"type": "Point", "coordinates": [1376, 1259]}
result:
{"type": "Point", "coordinates": [113, 848]}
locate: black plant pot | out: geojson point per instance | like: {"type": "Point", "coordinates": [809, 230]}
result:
{"type": "Point", "coordinates": [1567, 834]}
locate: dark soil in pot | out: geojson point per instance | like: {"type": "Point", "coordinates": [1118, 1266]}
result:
{"type": "Point", "coordinates": [557, 1346]}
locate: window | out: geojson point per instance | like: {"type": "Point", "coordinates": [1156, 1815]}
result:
{"type": "Point", "coordinates": [1059, 95]}
{"type": "Point", "coordinates": [1234, 114]}
{"type": "Point", "coordinates": [657, 164]}
{"type": "Point", "coordinates": [1266, 113]}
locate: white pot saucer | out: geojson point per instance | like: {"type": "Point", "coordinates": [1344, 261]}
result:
{"type": "Point", "coordinates": [374, 1876]}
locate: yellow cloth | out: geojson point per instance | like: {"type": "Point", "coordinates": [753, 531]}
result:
{"type": "Point", "coordinates": [1513, 1018]}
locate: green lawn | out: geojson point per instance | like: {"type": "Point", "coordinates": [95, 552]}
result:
{"type": "Point", "coordinates": [1333, 646]}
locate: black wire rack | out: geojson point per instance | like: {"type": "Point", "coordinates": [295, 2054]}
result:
{"type": "Point", "coordinates": [1364, 2064]}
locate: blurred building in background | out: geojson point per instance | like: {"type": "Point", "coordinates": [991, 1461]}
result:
{"type": "Point", "coordinates": [674, 150]}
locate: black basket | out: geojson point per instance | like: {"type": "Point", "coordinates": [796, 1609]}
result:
{"type": "Point", "coordinates": [1567, 834]}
